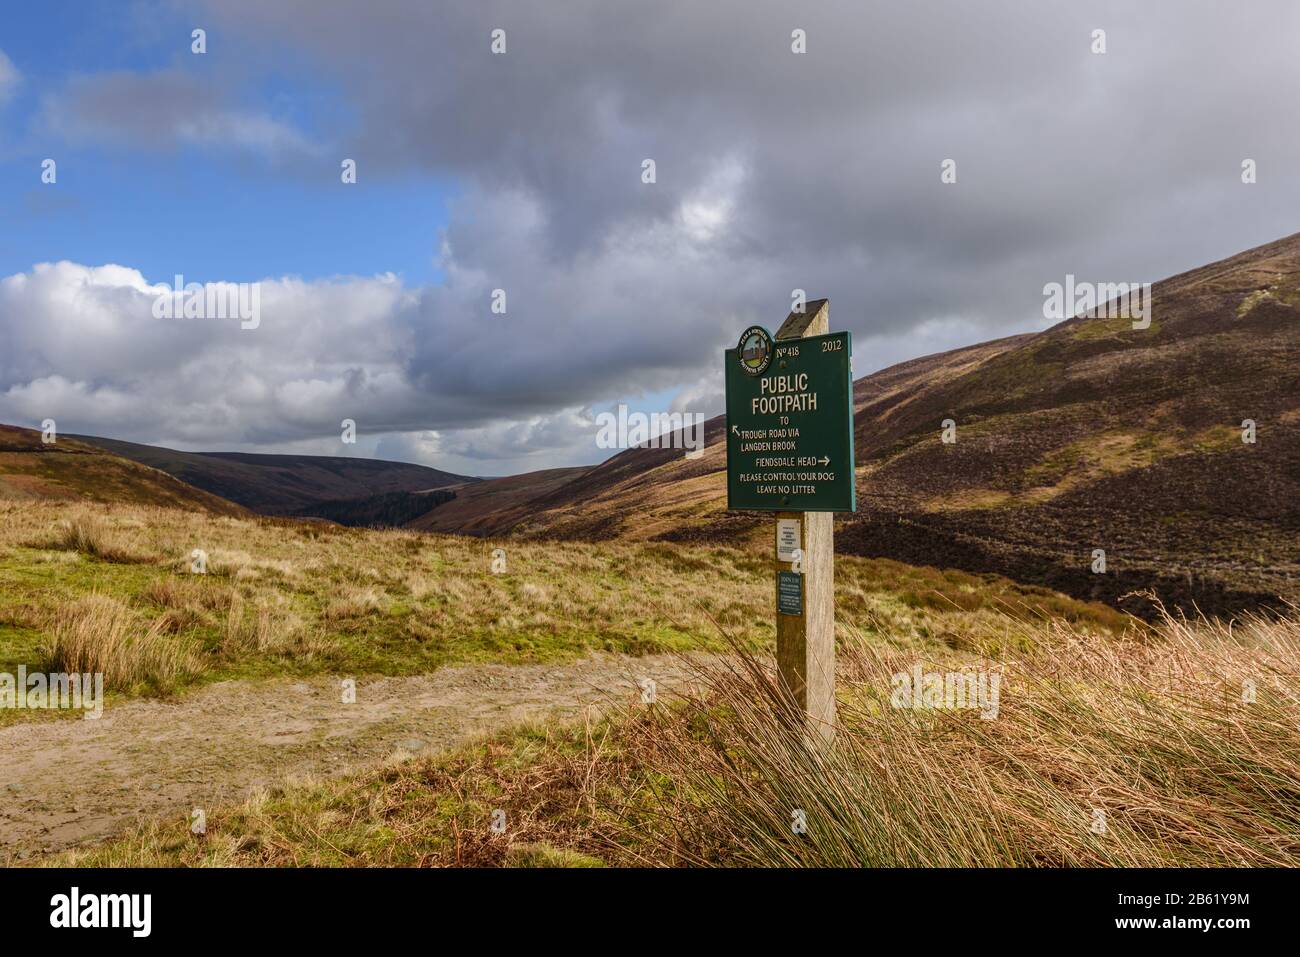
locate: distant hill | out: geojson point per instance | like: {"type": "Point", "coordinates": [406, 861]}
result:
{"type": "Point", "coordinates": [386, 510]}
{"type": "Point", "coordinates": [1088, 435]}
{"type": "Point", "coordinates": [71, 469]}
{"type": "Point", "coordinates": [494, 505]}
{"type": "Point", "coordinates": [284, 484]}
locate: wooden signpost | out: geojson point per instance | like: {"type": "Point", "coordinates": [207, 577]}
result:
{"type": "Point", "coordinates": [790, 451]}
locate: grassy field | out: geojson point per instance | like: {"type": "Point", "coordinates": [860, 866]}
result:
{"type": "Point", "coordinates": [286, 597]}
{"type": "Point", "coordinates": [1113, 742]}
{"type": "Point", "coordinates": [1137, 750]}
{"type": "Point", "coordinates": [85, 587]}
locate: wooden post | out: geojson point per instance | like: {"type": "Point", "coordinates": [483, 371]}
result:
{"type": "Point", "coordinates": [805, 644]}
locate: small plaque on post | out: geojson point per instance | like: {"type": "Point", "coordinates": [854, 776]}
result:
{"type": "Point", "coordinates": [787, 539]}
{"type": "Point", "coordinates": [789, 593]}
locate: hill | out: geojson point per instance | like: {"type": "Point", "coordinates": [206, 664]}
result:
{"type": "Point", "coordinates": [69, 469]}
{"type": "Point", "coordinates": [495, 505]}
{"type": "Point", "coordinates": [283, 484]}
{"type": "Point", "coordinates": [386, 510]}
{"type": "Point", "coordinates": [1088, 435]}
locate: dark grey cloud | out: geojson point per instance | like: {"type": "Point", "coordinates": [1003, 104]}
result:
{"type": "Point", "coordinates": [1066, 159]}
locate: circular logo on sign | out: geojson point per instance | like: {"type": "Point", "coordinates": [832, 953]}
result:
{"type": "Point", "coordinates": [754, 350]}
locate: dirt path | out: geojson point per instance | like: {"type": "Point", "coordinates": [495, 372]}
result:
{"type": "Point", "coordinates": [74, 781]}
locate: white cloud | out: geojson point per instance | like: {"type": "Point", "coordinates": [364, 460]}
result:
{"type": "Point", "coordinates": [72, 336]}
{"type": "Point", "coordinates": [707, 211]}
{"type": "Point", "coordinates": [428, 374]}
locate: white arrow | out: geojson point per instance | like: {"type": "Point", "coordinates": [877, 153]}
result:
{"type": "Point", "coordinates": [826, 460]}
{"type": "Point", "coordinates": [735, 430]}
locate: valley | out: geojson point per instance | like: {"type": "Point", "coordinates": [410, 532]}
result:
{"type": "Point", "coordinates": [375, 661]}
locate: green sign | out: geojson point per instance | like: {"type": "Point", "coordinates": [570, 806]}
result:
{"type": "Point", "coordinates": [790, 423]}
{"type": "Point", "coordinates": [789, 593]}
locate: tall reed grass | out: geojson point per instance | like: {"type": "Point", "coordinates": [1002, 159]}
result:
{"type": "Point", "coordinates": [1180, 747]}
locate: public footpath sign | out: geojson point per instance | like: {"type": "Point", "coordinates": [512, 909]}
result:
{"type": "Point", "coordinates": [790, 423]}
{"type": "Point", "coordinates": [790, 451]}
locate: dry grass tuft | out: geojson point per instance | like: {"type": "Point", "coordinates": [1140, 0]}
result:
{"type": "Point", "coordinates": [1131, 753]}
{"type": "Point", "coordinates": [96, 633]}
{"type": "Point", "coordinates": [90, 535]}
{"type": "Point", "coordinates": [353, 603]}
{"type": "Point", "coordinates": [265, 628]}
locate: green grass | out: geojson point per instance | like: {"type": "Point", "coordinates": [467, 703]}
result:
{"type": "Point", "coordinates": [1115, 327]}
{"type": "Point", "coordinates": [288, 598]}
{"type": "Point", "coordinates": [1151, 729]}
{"type": "Point", "coordinates": [1098, 708]}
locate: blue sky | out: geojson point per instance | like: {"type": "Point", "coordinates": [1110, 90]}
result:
{"type": "Point", "coordinates": [211, 215]}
